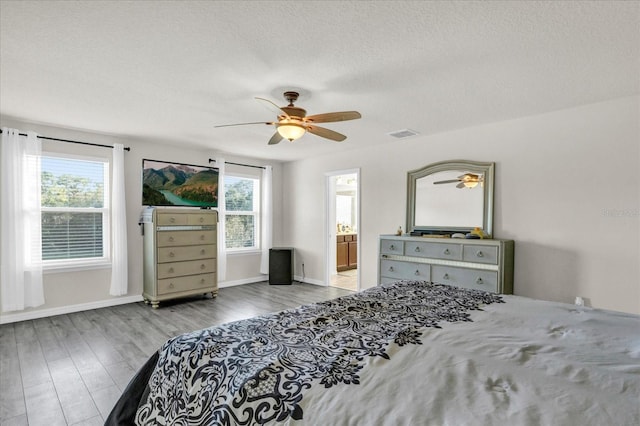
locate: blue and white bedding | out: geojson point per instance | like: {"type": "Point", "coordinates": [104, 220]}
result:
{"type": "Point", "coordinates": [408, 353]}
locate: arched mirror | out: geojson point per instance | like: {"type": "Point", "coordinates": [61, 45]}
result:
{"type": "Point", "coordinates": [449, 197]}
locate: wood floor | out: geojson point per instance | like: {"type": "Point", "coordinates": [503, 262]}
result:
{"type": "Point", "coordinates": [347, 280]}
{"type": "Point", "coordinates": [70, 369]}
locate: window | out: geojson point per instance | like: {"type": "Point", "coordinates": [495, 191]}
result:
{"type": "Point", "coordinates": [75, 210]}
{"type": "Point", "coordinates": [242, 204]}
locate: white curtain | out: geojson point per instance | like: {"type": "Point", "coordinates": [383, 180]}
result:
{"type": "Point", "coordinates": [119, 268]}
{"type": "Point", "coordinates": [21, 240]}
{"type": "Point", "coordinates": [222, 241]}
{"type": "Point", "coordinates": [266, 218]}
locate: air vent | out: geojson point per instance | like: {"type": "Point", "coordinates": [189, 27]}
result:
{"type": "Point", "coordinates": [404, 133]}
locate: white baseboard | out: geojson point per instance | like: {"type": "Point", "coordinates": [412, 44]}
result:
{"type": "Point", "coordinates": [50, 312]}
{"type": "Point", "coordinates": [299, 279]}
{"type": "Point", "coordinates": [257, 279]}
{"type": "Point", "coordinates": [309, 281]}
{"type": "Point", "coordinates": [42, 313]}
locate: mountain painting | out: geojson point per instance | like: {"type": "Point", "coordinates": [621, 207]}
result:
{"type": "Point", "coordinates": [176, 184]}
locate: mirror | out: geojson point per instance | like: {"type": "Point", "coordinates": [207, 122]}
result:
{"type": "Point", "coordinates": [449, 197]}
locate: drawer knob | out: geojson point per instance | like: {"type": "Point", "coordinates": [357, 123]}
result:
{"type": "Point", "coordinates": [445, 276]}
{"type": "Point", "coordinates": [202, 251]}
{"type": "Point", "coordinates": [480, 254]}
{"type": "Point", "coordinates": [417, 249]}
{"type": "Point", "coordinates": [201, 219]}
{"type": "Point", "coordinates": [170, 238]}
{"type": "Point", "coordinates": [203, 266]}
{"type": "Point", "coordinates": [446, 251]}
{"type": "Point", "coordinates": [170, 285]}
{"type": "Point", "coordinates": [392, 247]}
{"type": "Point", "coordinates": [172, 219]}
{"type": "Point", "coordinates": [390, 268]}
{"type": "Point", "coordinates": [171, 270]}
{"type": "Point", "coordinates": [202, 281]}
{"type": "Point", "coordinates": [417, 272]}
{"type": "Point", "coordinates": [201, 237]}
{"type": "Point", "coordinates": [479, 281]}
{"type": "Point", "coordinates": [172, 254]}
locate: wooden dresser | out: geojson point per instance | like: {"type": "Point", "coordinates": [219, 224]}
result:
{"type": "Point", "coordinates": [477, 264]}
{"type": "Point", "coordinates": [180, 254]}
{"type": "Point", "coordinates": [346, 251]}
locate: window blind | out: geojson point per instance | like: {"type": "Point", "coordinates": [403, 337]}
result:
{"type": "Point", "coordinates": [74, 208]}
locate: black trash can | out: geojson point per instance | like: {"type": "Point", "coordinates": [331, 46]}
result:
{"type": "Point", "coordinates": [281, 266]}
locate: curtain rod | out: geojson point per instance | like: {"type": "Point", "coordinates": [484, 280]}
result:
{"type": "Point", "coordinates": [70, 141]}
{"type": "Point", "coordinates": [211, 160]}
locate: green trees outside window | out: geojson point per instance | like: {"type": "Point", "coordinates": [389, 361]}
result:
{"type": "Point", "coordinates": [73, 208]}
{"type": "Point", "coordinates": [242, 203]}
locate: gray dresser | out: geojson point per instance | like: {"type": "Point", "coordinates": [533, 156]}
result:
{"type": "Point", "coordinates": [476, 264]}
{"type": "Point", "coordinates": [180, 254]}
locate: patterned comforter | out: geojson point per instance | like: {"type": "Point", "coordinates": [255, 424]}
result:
{"type": "Point", "coordinates": [257, 370]}
{"type": "Point", "coordinates": [408, 353]}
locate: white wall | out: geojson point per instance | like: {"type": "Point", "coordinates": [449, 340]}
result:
{"type": "Point", "coordinates": [85, 289]}
{"type": "Point", "coordinates": [567, 191]}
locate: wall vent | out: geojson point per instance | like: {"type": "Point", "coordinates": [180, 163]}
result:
{"type": "Point", "coordinates": [404, 133]}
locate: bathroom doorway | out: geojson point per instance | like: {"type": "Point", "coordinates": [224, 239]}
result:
{"type": "Point", "coordinates": [343, 217]}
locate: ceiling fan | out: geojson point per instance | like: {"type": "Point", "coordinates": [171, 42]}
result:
{"type": "Point", "coordinates": [467, 180]}
{"type": "Point", "coordinates": [293, 122]}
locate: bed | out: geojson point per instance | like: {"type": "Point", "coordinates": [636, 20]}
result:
{"type": "Point", "coordinates": [406, 353]}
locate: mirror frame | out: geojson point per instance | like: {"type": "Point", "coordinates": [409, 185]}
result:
{"type": "Point", "coordinates": [486, 168]}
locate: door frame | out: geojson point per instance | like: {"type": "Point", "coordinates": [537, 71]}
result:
{"type": "Point", "coordinates": [330, 225]}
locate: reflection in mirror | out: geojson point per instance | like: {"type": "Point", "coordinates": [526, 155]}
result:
{"type": "Point", "coordinates": [444, 202]}
{"type": "Point", "coordinates": [450, 196]}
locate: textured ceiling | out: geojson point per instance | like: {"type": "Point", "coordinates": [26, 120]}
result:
{"type": "Point", "coordinates": [170, 71]}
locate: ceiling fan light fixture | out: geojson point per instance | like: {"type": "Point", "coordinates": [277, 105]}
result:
{"type": "Point", "coordinates": [291, 131]}
{"type": "Point", "coordinates": [470, 184]}
{"type": "Point", "coordinates": [293, 122]}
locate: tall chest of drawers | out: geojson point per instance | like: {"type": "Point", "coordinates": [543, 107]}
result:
{"type": "Point", "coordinates": [475, 264]}
{"type": "Point", "coordinates": [180, 254]}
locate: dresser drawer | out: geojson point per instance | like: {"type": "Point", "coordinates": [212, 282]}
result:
{"type": "Point", "coordinates": [468, 278]}
{"type": "Point", "coordinates": [475, 264]}
{"type": "Point", "coordinates": [185, 238]}
{"type": "Point", "coordinates": [201, 219]}
{"type": "Point", "coordinates": [164, 219]}
{"type": "Point", "coordinates": [433, 250]}
{"type": "Point", "coordinates": [392, 247]}
{"type": "Point", "coordinates": [177, 254]}
{"type": "Point", "coordinates": [480, 254]}
{"type": "Point", "coordinates": [192, 267]}
{"type": "Point", "coordinates": [191, 282]}
{"type": "Point", "coordinates": [405, 270]}
{"type": "Point", "coordinates": [386, 280]}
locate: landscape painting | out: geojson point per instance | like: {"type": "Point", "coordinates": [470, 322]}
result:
{"type": "Point", "coordinates": [177, 184]}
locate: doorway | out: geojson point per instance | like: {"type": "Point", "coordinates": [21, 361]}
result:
{"type": "Point", "coordinates": [343, 230]}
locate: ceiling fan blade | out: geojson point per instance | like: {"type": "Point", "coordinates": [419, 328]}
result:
{"type": "Point", "coordinates": [446, 181]}
{"type": "Point", "coordinates": [244, 124]}
{"type": "Point", "coordinates": [460, 185]}
{"type": "Point", "coordinates": [333, 116]}
{"type": "Point", "coordinates": [326, 133]}
{"type": "Point", "coordinates": [276, 138]}
{"type": "Point", "coordinates": [273, 107]}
